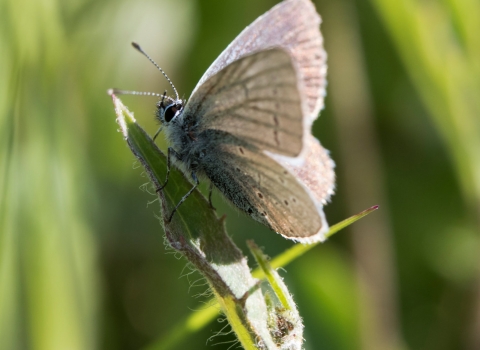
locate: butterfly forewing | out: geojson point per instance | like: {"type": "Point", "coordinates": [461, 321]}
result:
{"type": "Point", "coordinates": [293, 26]}
{"type": "Point", "coordinates": [256, 99]}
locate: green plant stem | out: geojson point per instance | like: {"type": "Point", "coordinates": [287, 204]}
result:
{"type": "Point", "coordinates": [201, 318]}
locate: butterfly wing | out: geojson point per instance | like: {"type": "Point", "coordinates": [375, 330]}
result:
{"type": "Point", "coordinates": [256, 99]}
{"type": "Point", "coordinates": [263, 188]}
{"type": "Point", "coordinates": [293, 26]}
{"type": "Point", "coordinates": [262, 94]}
{"type": "Point", "coordinates": [249, 113]}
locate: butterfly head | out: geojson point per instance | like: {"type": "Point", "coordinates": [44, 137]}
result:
{"type": "Point", "coordinates": [168, 109]}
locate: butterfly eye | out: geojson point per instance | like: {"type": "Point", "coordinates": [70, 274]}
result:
{"type": "Point", "coordinates": [171, 111]}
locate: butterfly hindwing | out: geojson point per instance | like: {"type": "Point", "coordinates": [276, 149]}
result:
{"type": "Point", "coordinates": [262, 188]}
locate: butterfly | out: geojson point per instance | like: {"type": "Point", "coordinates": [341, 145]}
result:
{"type": "Point", "coordinates": [247, 124]}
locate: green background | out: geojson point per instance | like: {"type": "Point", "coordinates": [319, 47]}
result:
{"type": "Point", "coordinates": [82, 257]}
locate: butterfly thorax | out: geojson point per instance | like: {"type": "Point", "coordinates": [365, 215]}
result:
{"type": "Point", "coordinates": [183, 136]}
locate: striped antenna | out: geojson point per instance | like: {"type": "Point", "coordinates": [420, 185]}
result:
{"type": "Point", "coordinates": [139, 93]}
{"type": "Point", "coordinates": [136, 46]}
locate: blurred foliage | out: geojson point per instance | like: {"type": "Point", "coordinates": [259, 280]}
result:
{"type": "Point", "coordinates": [82, 259]}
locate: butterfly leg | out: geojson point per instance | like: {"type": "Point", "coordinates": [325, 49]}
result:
{"type": "Point", "coordinates": [171, 152]}
{"type": "Point", "coordinates": [195, 179]}
{"type": "Point", "coordinates": [210, 196]}
{"type": "Point", "coordinates": [158, 132]}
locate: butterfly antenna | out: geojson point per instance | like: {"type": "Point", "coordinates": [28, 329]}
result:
{"type": "Point", "coordinates": [138, 48]}
{"type": "Point", "coordinates": [138, 93]}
